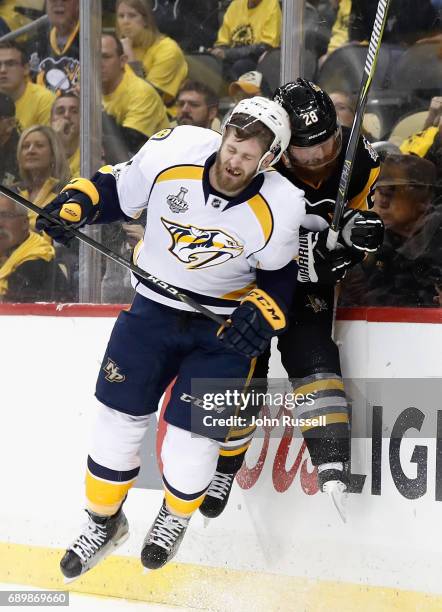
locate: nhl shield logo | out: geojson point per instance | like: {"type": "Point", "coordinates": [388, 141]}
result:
{"type": "Point", "coordinates": [200, 247]}
{"type": "Point", "coordinates": [177, 203]}
{"type": "Point", "coordinates": [112, 372]}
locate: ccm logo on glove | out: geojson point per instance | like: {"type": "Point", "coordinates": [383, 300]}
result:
{"type": "Point", "coordinates": [253, 324]}
{"type": "Point", "coordinates": [267, 307]}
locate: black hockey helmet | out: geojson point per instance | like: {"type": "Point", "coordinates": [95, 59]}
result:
{"type": "Point", "coordinates": [311, 111]}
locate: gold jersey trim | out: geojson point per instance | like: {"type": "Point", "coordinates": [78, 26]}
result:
{"type": "Point", "coordinates": [262, 211]}
{"type": "Point", "coordinates": [180, 173]}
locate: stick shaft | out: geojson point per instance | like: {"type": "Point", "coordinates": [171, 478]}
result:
{"type": "Point", "coordinates": [149, 278]}
{"type": "Point", "coordinates": [367, 78]}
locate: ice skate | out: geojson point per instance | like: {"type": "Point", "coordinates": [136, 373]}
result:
{"type": "Point", "coordinates": [217, 495]}
{"type": "Point", "coordinates": [100, 537]}
{"type": "Point", "coordinates": [333, 481]}
{"type": "Point", "coordinates": [163, 539]}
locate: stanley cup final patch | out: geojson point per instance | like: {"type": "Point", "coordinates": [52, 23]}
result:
{"type": "Point", "coordinates": [112, 372]}
{"type": "Point", "coordinates": [177, 203]}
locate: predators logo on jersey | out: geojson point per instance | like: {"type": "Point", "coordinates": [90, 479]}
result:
{"type": "Point", "coordinates": [199, 247]}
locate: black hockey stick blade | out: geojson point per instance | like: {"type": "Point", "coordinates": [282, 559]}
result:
{"type": "Point", "coordinates": [150, 279]}
{"type": "Point", "coordinates": [367, 78]}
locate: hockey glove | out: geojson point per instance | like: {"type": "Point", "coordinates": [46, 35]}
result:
{"type": "Point", "coordinates": [253, 324]}
{"type": "Point", "coordinates": [75, 205]}
{"type": "Point", "coordinates": [362, 230]}
{"type": "Point", "coordinates": [319, 265]}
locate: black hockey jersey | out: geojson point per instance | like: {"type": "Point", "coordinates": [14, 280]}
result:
{"type": "Point", "coordinates": [56, 68]}
{"type": "Point", "coordinates": [320, 198]}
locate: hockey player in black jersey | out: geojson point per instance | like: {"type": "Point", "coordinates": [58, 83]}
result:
{"type": "Point", "coordinates": [313, 162]}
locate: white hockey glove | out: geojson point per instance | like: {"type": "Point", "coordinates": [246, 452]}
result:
{"type": "Point", "coordinates": [362, 230]}
{"type": "Point", "coordinates": [319, 265]}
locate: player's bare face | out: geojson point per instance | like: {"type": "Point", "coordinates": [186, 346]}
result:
{"type": "Point", "coordinates": [235, 164]}
{"type": "Point", "coordinates": [130, 22]}
{"type": "Point", "coordinates": [318, 156]}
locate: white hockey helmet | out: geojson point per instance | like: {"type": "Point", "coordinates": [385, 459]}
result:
{"type": "Point", "coordinates": [273, 116]}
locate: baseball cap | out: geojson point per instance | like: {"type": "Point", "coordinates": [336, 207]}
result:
{"type": "Point", "coordinates": [250, 82]}
{"type": "Point", "coordinates": [407, 170]}
{"type": "Point", "coordinates": [7, 106]}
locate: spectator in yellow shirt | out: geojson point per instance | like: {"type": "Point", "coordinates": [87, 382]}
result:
{"type": "Point", "coordinates": [28, 269]}
{"type": "Point", "coordinates": [134, 104]}
{"type": "Point", "coordinates": [249, 28]}
{"type": "Point", "coordinates": [42, 164]}
{"type": "Point", "coordinates": [156, 57]}
{"type": "Point", "coordinates": [32, 102]}
{"type": "Point", "coordinates": [65, 121]}
{"type": "Point", "coordinates": [339, 35]}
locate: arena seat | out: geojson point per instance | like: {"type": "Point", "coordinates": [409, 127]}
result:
{"type": "Point", "coordinates": [206, 68]}
{"type": "Point", "coordinates": [343, 69]}
{"type": "Point", "coordinates": [418, 71]}
{"type": "Point", "coordinates": [407, 125]}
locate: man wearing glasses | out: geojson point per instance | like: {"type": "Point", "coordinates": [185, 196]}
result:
{"type": "Point", "coordinates": [32, 102]}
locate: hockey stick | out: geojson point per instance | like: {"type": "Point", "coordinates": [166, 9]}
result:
{"type": "Point", "coordinates": [149, 278]}
{"type": "Point", "coordinates": [367, 77]}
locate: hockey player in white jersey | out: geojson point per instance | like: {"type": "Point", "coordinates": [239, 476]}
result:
{"type": "Point", "coordinates": [224, 231]}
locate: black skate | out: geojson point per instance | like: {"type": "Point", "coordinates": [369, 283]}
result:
{"type": "Point", "coordinates": [163, 539]}
{"type": "Point", "coordinates": [332, 479]}
{"type": "Point", "coordinates": [217, 495]}
{"type": "Point", "coordinates": [100, 537]}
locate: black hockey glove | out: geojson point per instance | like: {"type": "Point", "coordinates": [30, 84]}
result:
{"type": "Point", "coordinates": [253, 324]}
{"type": "Point", "coordinates": [319, 265]}
{"type": "Point", "coordinates": [362, 230]}
{"type": "Point", "coordinates": [75, 205]}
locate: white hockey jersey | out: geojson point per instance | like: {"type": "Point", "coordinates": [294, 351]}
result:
{"type": "Point", "coordinates": [195, 239]}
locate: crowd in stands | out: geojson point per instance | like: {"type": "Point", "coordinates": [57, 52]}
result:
{"type": "Point", "coordinates": [187, 62]}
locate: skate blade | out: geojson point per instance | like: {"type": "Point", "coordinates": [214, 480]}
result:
{"type": "Point", "coordinates": [338, 500]}
{"type": "Point", "coordinates": [206, 522]}
{"type": "Point", "coordinates": [146, 570]}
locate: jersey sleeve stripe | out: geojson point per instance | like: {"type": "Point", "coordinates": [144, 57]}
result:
{"type": "Point", "coordinates": [181, 173]}
{"type": "Point", "coordinates": [362, 201]}
{"type": "Point", "coordinates": [264, 215]}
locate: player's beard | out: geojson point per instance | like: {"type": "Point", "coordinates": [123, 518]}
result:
{"type": "Point", "coordinates": [317, 166]}
{"type": "Point", "coordinates": [226, 182]}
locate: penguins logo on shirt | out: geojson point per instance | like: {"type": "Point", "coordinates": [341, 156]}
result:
{"type": "Point", "coordinates": [317, 304]}
{"type": "Point", "coordinates": [199, 247]}
{"type": "Point", "coordinates": [59, 74]}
